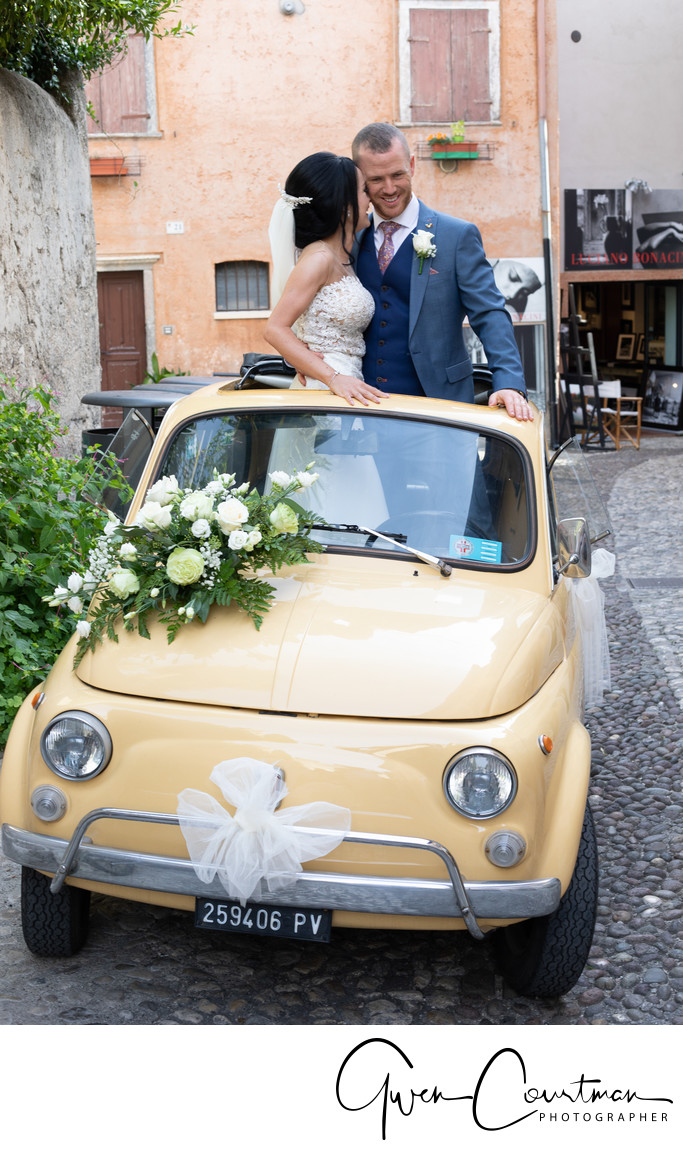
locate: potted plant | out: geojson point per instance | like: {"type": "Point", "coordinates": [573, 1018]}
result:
{"type": "Point", "coordinates": [452, 145]}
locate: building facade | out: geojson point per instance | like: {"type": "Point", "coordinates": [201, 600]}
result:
{"type": "Point", "coordinates": [192, 137]}
{"type": "Point", "coordinates": [620, 94]}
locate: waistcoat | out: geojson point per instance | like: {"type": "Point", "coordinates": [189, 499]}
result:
{"type": "Point", "coordinates": [388, 364]}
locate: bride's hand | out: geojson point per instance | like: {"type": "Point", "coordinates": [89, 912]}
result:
{"type": "Point", "coordinates": [350, 388]}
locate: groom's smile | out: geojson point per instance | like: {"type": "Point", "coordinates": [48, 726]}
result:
{"type": "Point", "coordinates": [388, 178]}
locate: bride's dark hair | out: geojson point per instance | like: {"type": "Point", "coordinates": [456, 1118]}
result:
{"type": "Point", "coordinates": [332, 183]}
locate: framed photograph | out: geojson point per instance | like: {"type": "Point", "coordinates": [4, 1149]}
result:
{"type": "Point", "coordinates": [627, 295]}
{"type": "Point", "coordinates": [625, 346]}
{"type": "Point", "coordinates": [663, 393]}
{"type": "Point", "coordinates": [640, 347]}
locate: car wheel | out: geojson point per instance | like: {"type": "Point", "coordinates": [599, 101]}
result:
{"type": "Point", "coordinates": [54, 925]}
{"type": "Point", "coordinates": [544, 957]}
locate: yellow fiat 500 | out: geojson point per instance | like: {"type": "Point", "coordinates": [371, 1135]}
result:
{"type": "Point", "coordinates": [413, 696]}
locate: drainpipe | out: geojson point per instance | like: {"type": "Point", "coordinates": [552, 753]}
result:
{"type": "Point", "coordinates": [551, 341]}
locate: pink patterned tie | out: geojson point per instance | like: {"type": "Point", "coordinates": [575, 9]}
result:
{"type": "Point", "coordinates": [386, 251]}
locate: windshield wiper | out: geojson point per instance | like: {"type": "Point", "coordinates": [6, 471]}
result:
{"type": "Point", "coordinates": [442, 567]}
{"type": "Point", "coordinates": [354, 529]}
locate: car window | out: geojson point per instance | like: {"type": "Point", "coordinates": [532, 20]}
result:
{"type": "Point", "coordinates": [575, 491]}
{"type": "Point", "coordinates": [125, 456]}
{"type": "Point", "coordinates": [451, 491]}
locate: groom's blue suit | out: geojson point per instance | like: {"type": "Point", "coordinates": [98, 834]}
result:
{"type": "Point", "coordinates": [415, 342]}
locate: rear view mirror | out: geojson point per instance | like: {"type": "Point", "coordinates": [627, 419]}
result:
{"type": "Point", "coordinates": [574, 550]}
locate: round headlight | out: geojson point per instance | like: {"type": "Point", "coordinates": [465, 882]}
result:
{"type": "Point", "coordinates": [76, 745]}
{"type": "Point", "coordinates": [480, 783]}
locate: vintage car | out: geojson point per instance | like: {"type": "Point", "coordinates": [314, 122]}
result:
{"type": "Point", "coordinates": [423, 672]}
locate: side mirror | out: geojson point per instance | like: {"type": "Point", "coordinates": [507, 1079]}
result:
{"type": "Point", "coordinates": [574, 548]}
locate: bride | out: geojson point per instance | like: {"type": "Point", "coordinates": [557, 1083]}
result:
{"type": "Point", "coordinates": [321, 308]}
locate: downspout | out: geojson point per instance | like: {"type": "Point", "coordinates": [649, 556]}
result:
{"type": "Point", "coordinates": [551, 342]}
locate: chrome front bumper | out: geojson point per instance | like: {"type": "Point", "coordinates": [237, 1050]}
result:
{"type": "Point", "coordinates": [452, 897]}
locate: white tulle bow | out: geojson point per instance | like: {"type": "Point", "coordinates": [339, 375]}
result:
{"type": "Point", "coordinates": [258, 846]}
{"type": "Point", "coordinates": [589, 604]}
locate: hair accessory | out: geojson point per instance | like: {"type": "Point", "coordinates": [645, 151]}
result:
{"type": "Point", "coordinates": [293, 201]}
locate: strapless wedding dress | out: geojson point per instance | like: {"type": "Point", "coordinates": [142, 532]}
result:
{"type": "Point", "coordinates": [333, 324]}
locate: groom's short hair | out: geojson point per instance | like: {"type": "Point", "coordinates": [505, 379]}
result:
{"type": "Point", "coordinates": [378, 138]}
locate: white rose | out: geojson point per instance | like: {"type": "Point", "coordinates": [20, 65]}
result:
{"type": "Point", "coordinates": [189, 612]}
{"type": "Point", "coordinates": [237, 540]}
{"type": "Point", "coordinates": [306, 478]}
{"type": "Point", "coordinates": [154, 593]}
{"type": "Point", "coordinates": [154, 516]}
{"type": "Point", "coordinates": [59, 595]}
{"type": "Point", "coordinates": [74, 583]}
{"type": "Point", "coordinates": [281, 478]}
{"type": "Point", "coordinates": [83, 628]}
{"type": "Point", "coordinates": [75, 604]}
{"type": "Point", "coordinates": [124, 583]}
{"type": "Point", "coordinates": [163, 491]}
{"type": "Point", "coordinates": [423, 243]}
{"type": "Point", "coordinates": [253, 538]}
{"type": "Point", "coordinates": [196, 506]}
{"type": "Point", "coordinates": [230, 515]}
{"type": "Point", "coordinates": [128, 550]}
{"type": "Point", "coordinates": [201, 529]}
{"type": "Point", "coordinates": [241, 489]}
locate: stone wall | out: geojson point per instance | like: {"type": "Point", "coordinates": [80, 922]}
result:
{"type": "Point", "coordinates": [48, 284]}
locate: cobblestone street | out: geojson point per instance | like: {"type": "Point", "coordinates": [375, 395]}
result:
{"type": "Point", "coordinates": [150, 966]}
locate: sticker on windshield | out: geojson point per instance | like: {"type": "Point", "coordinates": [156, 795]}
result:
{"type": "Point", "coordinates": [476, 550]}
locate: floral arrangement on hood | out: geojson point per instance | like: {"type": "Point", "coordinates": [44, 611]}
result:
{"type": "Point", "coordinates": [186, 551]}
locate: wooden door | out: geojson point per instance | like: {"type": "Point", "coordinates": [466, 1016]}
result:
{"type": "Point", "coordinates": [123, 350]}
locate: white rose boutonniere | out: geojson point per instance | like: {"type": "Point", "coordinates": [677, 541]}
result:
{"type": "Point", "coordinates": [423, 243]}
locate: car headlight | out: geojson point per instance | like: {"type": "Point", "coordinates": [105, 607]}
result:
{"type": "Point", "coordinates": [76, 745]}
{"type": "Point", "coordinates": [480, 783]}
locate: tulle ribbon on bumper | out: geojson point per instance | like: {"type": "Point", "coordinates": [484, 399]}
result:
{"type": "Point", "coordinates": [258, 848]}
{"type": "Point", "coordinates": [589, 604]}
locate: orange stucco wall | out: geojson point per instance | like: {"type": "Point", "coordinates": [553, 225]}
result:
{"type": "Point", "coordinates": [251, 92]}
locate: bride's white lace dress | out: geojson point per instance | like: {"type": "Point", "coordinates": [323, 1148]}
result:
{"type": "Point", "coordinates": [333, 324]}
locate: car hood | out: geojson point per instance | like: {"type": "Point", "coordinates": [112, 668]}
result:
{"type": "Point", "coordinates": [412, 646]}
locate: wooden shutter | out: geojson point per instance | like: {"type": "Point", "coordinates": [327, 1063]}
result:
{"type": "Point", "coordinates": [118, 93]}
{"type": "Point", "coordinates": [449, 63]}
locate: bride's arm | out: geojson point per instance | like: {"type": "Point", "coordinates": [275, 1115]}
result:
{"type": "Point", "coordinates": [310, 274]}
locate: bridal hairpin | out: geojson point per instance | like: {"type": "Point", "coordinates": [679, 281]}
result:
{"type": "Point", "coordinates": [293, 201]}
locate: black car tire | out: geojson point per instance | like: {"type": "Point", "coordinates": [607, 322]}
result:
{"type": "Point", "coordinates": [544, 957]}
{"type": "Point", "coordinates": [54, 925]}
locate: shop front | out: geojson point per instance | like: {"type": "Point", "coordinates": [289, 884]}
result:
{"type": "Point", "coordinates": [622, 294]}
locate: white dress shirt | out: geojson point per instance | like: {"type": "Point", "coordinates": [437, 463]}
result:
{"type": "Point", "coordinates": [407, 220]}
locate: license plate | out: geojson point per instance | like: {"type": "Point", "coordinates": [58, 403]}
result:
{"type": "Point", "coordinates": [260, 918]}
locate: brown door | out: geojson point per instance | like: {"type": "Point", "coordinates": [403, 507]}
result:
{"type": "Point", "coordinates": [123, 351]}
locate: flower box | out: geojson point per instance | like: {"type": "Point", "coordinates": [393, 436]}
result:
{"type": "Point", "coordinates": [108, 166]}
{"type": "Point", "coordinates": [452, 150]}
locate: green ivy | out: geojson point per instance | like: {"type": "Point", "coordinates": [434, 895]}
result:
{"type": "Point", "coordinates": [47, 40]}
{"type": "Point", "coordinates": [49, 515]}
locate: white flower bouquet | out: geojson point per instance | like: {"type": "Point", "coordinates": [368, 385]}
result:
{"type": "Point", "coordinates": [187, 551]}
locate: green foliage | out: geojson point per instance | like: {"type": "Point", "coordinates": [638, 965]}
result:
{"type": "Point", "coordinates": [158, 373]}
{"type": "Point", "coordinates": [46, 524]}
{"type": "Point", "coordinates": [47, 39]}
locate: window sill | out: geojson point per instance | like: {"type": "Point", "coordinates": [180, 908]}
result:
{"type": "Point", "coordinates": [263, 314]}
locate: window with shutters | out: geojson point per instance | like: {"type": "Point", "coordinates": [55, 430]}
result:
{"type": "Point", "coordinates": [122, 94]}
{"type": "Point", "coordinates": [242, 285]}
{"type": "Point", "coordinates": [449, 61]}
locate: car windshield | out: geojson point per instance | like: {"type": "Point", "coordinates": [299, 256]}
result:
{"type": "Point", "coordinates": [451, 491]}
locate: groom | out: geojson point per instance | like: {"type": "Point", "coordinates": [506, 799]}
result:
{"type": "Point", "coordinates": [415, 345]}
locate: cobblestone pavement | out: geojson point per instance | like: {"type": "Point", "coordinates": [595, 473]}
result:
{"type": "Point", "coordinates": [149, 966]}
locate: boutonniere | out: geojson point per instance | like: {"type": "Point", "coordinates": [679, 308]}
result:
{"type": "Point", "coordinates": [423, 243]}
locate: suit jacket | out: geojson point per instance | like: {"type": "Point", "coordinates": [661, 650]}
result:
{"type": "Point", "coordinates": [457, 282]}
